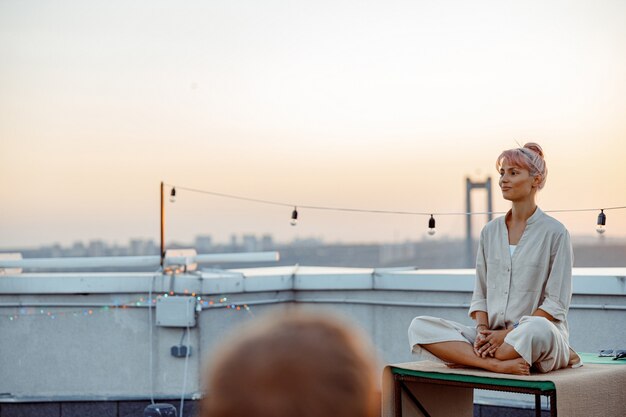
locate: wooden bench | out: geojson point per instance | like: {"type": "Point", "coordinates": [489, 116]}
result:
{"type": "Point", "coordinates": [431, 389]}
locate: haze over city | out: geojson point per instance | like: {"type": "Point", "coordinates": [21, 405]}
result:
{"type": "Point", "coordinates": [371, 105]}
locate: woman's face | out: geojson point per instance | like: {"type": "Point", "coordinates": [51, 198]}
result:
{"type": "Point", "coordinates": [516, 183]}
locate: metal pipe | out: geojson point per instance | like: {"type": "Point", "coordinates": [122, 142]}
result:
{"type": "Point", "coordinates": [305, 300]}
{"type": "Point", "coordinates": [442, 305]}
{"type": "Point", "coordinates": [238, 257]}
{"type": "Point", "coordinates": [596, 307]}
{"type": "Point", "coordinates": [65, 305]}
{"type": "Point", "coordinates": [133, 305]}
{"type": "Point", "coordinates": [7, 397]}
{"type": "Point", "coordinates": [86, 262]}
{"type": "Point", "coordinates": [381, 303]}
{"type": "Point", "coordinates": [136, 261]}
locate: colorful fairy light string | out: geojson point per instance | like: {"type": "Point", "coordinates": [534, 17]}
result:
{"type": "Point", "coordinates": [202, 304]}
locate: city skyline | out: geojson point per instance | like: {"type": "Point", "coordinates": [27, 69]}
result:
{"type": "Point", "coordinates": [375, 105]}
{"type": "Point", "coordinates": [247, 242]}
{"type": "Point", "coordinates": [422, 254]}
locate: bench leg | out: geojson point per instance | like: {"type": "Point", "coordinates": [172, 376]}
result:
{"type": "Point", "coordinates": [415, 401]}
{"type": "Point", "coordinates": [397, 397]}
{"type": "Point", "coordinates": [553, 410]}
{"type": "Point", "coordinates": [537, 405]}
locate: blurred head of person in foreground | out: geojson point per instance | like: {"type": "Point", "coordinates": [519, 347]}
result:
{"type": "Point", "coordinates": [293, 364]}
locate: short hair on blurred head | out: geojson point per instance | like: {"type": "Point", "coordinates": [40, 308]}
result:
{"type": "Point", "coordinates": [293, 364]}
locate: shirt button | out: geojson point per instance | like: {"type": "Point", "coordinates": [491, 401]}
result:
{"type": "Point", "coordinates": [506, 292]}
{"type": "Point", "coordinates": [502, 313]}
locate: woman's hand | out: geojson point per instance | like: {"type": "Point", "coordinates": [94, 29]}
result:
{"type": "Point", "coordinates": [490, 341]}
{"type": "Point", "coordinates": [479, 343]}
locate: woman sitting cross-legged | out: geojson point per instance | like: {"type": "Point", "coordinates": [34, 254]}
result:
{"type": "Point", "coordinates": [523, 286]}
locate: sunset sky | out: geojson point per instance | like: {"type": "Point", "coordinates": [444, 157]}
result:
{"type": "Point", "coordinates": [384, 105]}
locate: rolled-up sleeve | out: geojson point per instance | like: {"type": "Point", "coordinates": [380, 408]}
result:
{"type": "Point", "coordinates": [479, 297]}
{"type": "Point", "coordinates": [558, 289]}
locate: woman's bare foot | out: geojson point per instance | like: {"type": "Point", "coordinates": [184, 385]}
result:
{"type": "Point", "coordinates": [461, 354]}
{"type": "Point", "coordinates": [513, 366]}
{"type": "Point", "coordinates": [456, 366]}
{"type": "Point", "coordinates": [574, 359]}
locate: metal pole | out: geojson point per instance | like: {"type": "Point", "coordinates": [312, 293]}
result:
{"type": "Point", "coordinates": [162, 253]}
{"type": "Point", "coordinates": [468, 225]}
{"type": "Point", "coordinates": [469, 186]}
{"type": "Point", "coordinates": [489, 200]}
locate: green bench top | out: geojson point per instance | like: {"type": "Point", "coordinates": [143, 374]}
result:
{"type": "Point", "coordinates": [594, 358]}
{"type": "Point", "coordinates": [472, 379]}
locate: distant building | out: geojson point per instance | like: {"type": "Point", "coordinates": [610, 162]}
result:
{"type": "Point", "coordinates": [233, 242]}
{"type": "Point", "coordinates": [267, 242]}
{"type": "Point", "coordinates": [54, 251]}
{"type": "Point", "coordinates": [250, 243]}
{"type": "Point", "coordinates": [396, 252]}
{"type": "Point", "coordinates": [78, 249]}
{"type": "Point", "coordinates": [141, 247]}
{"type": "Point", "coordinates": [203, 243]}
{"type": "Point", "coordinates": [97, 248]}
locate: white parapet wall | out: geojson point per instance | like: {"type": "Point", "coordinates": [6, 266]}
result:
{"type": "Point", "coordinates": [93, 336]}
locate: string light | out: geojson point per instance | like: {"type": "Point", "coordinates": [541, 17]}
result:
{"type": "Point", "coordinates": [431, 230]}
{"type": "Point", "coordinates": [601, 224]}
{"type": "Point", "coordinates": [431, 225]}
{"type": "Point", "coordinates": [294, 216]}
{"type": "Point", "coordinates": [173, 195]}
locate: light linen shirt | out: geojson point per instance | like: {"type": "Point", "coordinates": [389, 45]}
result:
{"type": "Point", "coordinates": [537, 275]}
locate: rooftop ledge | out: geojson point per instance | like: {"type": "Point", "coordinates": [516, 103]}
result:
{"type": "Point", "coordinates": [380, 301]}
{"type": "Point", "coordinates": [586, 281]}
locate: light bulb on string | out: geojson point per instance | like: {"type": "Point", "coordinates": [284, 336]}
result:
{"type": "Point", "coordinates": [173, 195]}
{"type": "Point", "coordinates": [601, 226]}
{"type": "Point", "coordinates": [294, 216]}
{"type": "Point", "coordinates": [431, 225]}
